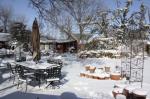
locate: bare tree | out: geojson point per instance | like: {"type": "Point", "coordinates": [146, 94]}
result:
{"type": "Point", "coordinates": [82, 11]}
{"type": "Point", "coordinates": [53, 14]}
{"type": "Point", "coordinates": [5, 17]}
{"type": "Point", "coordinates": [101, 23]}
{"type": "Point", "coordinates": [21, 18]}
{"type": "Point", "coordinates": [74, 12]}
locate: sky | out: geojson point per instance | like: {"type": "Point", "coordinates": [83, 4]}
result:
{"type": "Point", "coordinates": [21, 7]}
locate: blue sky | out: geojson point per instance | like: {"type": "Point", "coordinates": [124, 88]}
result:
{"type": "Point", "coordinates": [21, 7]}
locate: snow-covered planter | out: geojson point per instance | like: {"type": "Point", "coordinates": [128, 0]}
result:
{"type": "Point", "coordinates": [87, 68]}
{"type": "Point", "coordinates": [94, 73]}
{"type": "Point", "coordinates": [115, 76]}
{"type": "Point", "coordinates": [91, 69]}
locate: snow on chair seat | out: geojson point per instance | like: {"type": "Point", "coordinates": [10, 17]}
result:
{"type": "Point", "coordinates": [51, 82]}
{"type": "Point", "coordinates": [24, 80]}
{"type": "Point", "coordinates": [52, 79]}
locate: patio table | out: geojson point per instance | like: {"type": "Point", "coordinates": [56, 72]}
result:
{"type": "Point", "coordinates": [39, 69]}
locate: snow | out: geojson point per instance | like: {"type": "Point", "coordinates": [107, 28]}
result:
{"type": "Point", "coordinates": [120, 85]}
{"type": "Point", "coordinates": [58, 57]}
{"type": "Point", "coordinates": [130, 88]}
{"type": "Point", "coordinates": [72, 85]}
{"type": "Point", "coordinates": [118, 90]}
{"type": "Point", "coordinates": [116, 74]}
{"type": "Point", "coordinates": [120, 96]}
{"type": "Point", "coordinates": [141, 92]}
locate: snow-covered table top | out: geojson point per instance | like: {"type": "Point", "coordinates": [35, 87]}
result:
{"type": "Point", "coordinates": [140, 91]}
{"type": "Point", "coordinates": [130, 88]}
{"type": "Point", "coordinates": [33, 65]}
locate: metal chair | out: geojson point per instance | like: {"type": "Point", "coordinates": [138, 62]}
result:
{"type": "Point", "coordinates": [13, 73]}
{"type": "Point", "coordinates": [53, 75]}
{"type": "Point", "coordinates": [23, 76]}
{"type": "Point", "coordinates": [40, 76]}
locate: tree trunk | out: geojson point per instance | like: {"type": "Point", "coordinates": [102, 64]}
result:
{"type": "Point", "coordinates": [5, 27]}
{"type": "Point", "coordinates": [81, 32]}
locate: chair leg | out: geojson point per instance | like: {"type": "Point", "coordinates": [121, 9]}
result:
{"type": "Point", "coordinates": [50, 83]}
{"type": "Point", "coordinates": [58, 85]}
{"type": "Point", "coordinates": [39, 82]}
{"type": "Point", "coordinates": [13, 79]}
{"type": "Point", "coordinates": [26, 86]}
{"type": "Point", "coordinates": [10, 77]}
{"type": "Point", "coordinates": [18, 85]}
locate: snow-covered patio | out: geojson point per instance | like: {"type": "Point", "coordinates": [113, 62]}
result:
{"type": "Point", "coordinates": [72, 85]}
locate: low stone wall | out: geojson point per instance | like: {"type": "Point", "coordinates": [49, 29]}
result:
{"type": "Point", "coordinates": [100, 54]}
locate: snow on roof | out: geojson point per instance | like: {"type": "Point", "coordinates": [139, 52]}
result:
{"type": "Point", "coordinates": [63, 41]}
{"type": "Point", "coordinates": [57, 41]}
{"type": "Point", "coordinates": [98, 37]}
{"type": "Point", "coordinates": [5, 36]}
{"type": "Point", "coordinates": [46, 41]}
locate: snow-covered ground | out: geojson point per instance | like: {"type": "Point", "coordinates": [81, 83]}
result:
{"type": "Point", "coordinates": [72, 85]}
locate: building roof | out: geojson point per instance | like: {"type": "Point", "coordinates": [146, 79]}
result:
{"type": "Point", "coordinates": [85, 36]}
{"type": "Point", "coordinates": [5, 36]}
{"type": "Point", "coordinates": [46, 39]}
{"type": "Point", "coordinates": [64, 41]}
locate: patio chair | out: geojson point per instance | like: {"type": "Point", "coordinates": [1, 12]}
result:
{"type": "Point", "coordinates": [0, 61]}
{"type": "Point", "coordinates": [13, 73]}
{"type": "Point", "coordinates": [24, 76]}
{"type": "Point", "coordinates": [53, 75]}
{"type": "Point", "coordinates": [40, 76]}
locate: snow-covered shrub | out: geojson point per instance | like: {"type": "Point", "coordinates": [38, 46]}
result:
{"type": "Point", "coordinates": [101, 43]}
{"type": "Point", "coordinates": [99, 54]}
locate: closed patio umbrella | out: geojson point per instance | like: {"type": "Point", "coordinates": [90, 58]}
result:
{"type": "Point", "coordinates": [35, 41]}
